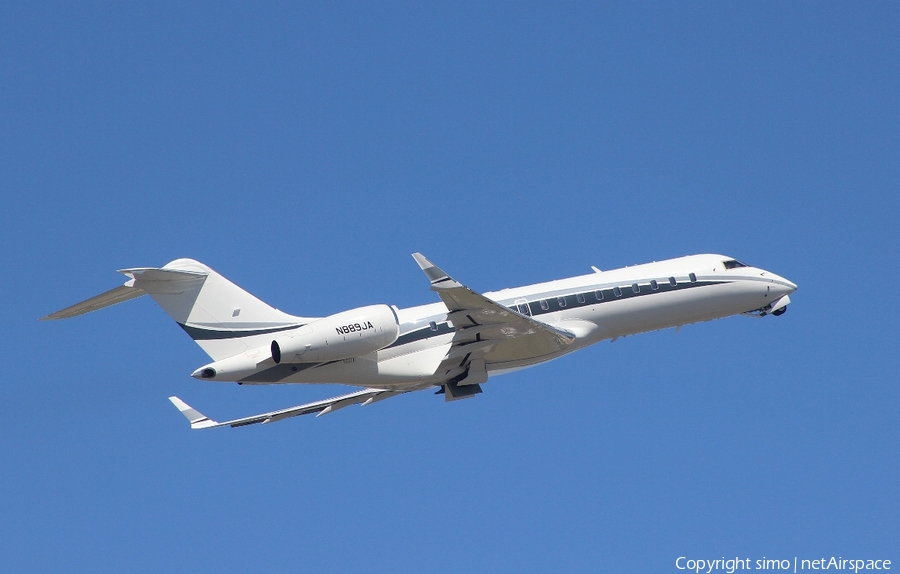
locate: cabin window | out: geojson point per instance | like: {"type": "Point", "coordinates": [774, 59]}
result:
{"type": "Point", "coordinates": [635, 288]}
{"type": "Point", "coordinates": [561, 301]}
{"type": "Point", "coordinates": [599, 295]}
{"type": "Point", "coordinates": [433, 326]}
{"type": "Point", "coordinates": [580, 297]}
{"type": "Point", "coordinates": [693, 278]}
{"type": "Point", "coordinates": [617, 292]}
{"type": "Point", "coordinates": [523, 308]}
{"type": "Point", "coordinates": [733, 264]}
{"type": "Point", "coordinates": [672, 281]}
{"type": "Point", "coordinates": [544, 305]}
{"type": "Point", "coordinates": [654, 285]}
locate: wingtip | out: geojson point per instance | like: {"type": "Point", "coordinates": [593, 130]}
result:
{"type": "Point", "coordinates": [54, 316]}
{"type": "Point", "coordinates": [422, 261]}
{"type": "Point", "coordinates": [179, 404]}
{"type": "Point", "coordinates": [197, 419]}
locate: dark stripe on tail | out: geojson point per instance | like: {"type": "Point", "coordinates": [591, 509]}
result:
{"type": "Point", "coordinates": [201, 334]}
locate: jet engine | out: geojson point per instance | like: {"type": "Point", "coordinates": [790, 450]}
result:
{"type": "Point", "coordinates": [233, 368]}
{"type": "Point", "coordinates": [340, 336]}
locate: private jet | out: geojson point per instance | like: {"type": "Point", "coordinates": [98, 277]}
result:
{"type": "Point", "coordinates": [453, 345]}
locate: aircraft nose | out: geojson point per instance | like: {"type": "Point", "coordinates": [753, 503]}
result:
{"type": "Point", "coordinates": [782, 285]}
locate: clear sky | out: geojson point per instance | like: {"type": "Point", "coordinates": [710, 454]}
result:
{"type": "Point", "coordinates": [304, 150]}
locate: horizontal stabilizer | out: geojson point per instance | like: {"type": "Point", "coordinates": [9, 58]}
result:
{"type": "Point", "coordinates": [366, 396]}
{"type": "Point", "coordinates": [141, 281]}
{"type": "Point", "coordinates": [111, 297]}
{"type": "Point", "coordinates": [164, 281]}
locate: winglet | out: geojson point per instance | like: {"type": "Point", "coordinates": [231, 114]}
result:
{"type": "Point", "coordinates": [197, 419]}
{"type": "Point", "coordinates": [439, 279]}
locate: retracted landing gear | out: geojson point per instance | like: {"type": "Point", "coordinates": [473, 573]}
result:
{"type": "Point", "coordinates": [777, 307]}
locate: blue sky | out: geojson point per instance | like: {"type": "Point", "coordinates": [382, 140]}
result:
{"type": "Point", "coordinates": [305, 150]}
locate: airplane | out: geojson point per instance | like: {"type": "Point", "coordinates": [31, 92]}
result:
{"type": "Point", "coordinates": [454, 345]}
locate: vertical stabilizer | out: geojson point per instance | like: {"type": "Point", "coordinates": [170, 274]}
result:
{"type": "Point", "coordinates": [220, 316]}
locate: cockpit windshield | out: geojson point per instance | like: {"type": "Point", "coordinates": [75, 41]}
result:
{"type": "Point", "coordinates": [733, 264]}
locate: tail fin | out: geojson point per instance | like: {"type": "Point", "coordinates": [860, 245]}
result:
{"type": "Point", "coordinates": [220, 316]}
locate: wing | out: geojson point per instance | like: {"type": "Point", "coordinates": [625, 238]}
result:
{"type": "Point", "coordinates": [366, 396]}
{"type": "Point", "coordinates": [486, 331]}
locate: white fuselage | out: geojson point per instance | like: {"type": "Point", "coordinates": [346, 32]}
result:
{"type": "Point", "coordinates": [593, 307]}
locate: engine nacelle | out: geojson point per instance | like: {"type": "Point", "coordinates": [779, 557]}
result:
{"type": "Point", "coordinates": [340, 336]}
{"type": "Point", "coordinates": [233, 368]}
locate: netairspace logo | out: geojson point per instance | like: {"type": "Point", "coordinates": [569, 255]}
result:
{"type": "Point", "coordinates": [732, 565]}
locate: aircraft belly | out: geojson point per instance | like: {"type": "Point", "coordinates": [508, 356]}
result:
{"type": "Point", "coordinates": [418, 365]}
{"type": "Point", "coordinates": [639, 315]}
{"type": "Point", "coordinates": [415, 363]}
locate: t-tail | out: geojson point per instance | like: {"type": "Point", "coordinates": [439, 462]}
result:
{"type": "Point", "coordinates": [221, 317]}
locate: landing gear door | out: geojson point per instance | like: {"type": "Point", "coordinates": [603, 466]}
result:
{"type": "Point", "coordinates": [523, 307]}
